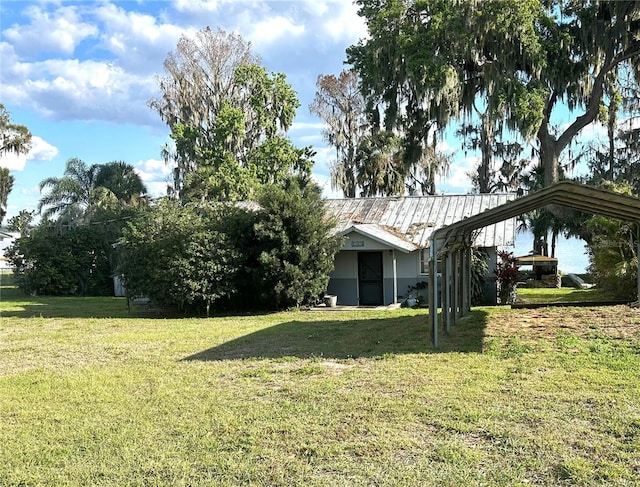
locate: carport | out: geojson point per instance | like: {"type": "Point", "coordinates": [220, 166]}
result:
{"type": "Point", "coordinates": [451, 245]}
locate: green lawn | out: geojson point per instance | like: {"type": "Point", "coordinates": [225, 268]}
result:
{"type": "Point", "coordinates": [562, 295]}
{"type": "Point", "coordinates": [90, 395]}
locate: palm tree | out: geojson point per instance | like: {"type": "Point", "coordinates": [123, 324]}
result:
{"type": "Point", "coordinates": [14, 139]}
{"type": "Point", "coordinates": [70, 195]}
{"type": "Point", "coordinates": [122, 181]}
{"type": "Point", "coordinates": [83, 189]}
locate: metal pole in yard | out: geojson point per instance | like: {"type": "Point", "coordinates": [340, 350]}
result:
{"type": "Point", "coordinates": [446, 283]}
{"type": "Point", "coordinates": [433, 293]}
{"type": "Point", "coordinates": [455, 286]}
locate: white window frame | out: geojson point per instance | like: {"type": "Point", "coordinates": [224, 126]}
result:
{"type": "Point", "coordinates": [423, 262]}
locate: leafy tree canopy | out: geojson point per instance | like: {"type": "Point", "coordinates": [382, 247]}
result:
{"type": "Point", "coordinates": [222, 107]}
{"type": "Point", "coordinates": [429, 62]}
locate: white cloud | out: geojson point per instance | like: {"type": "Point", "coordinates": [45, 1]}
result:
{"type": "Point", "coordinates": [139, 42]}
{"type": "Point", "coordinates": [325, 184]}
{"type": "Point", "coordinates": [60, 31]}
{"type": "Point", "coordinates": [310, 139]}
{"type": "Point", "coordinates": [274, 28]}
{"type": "Point", "coordinates": [344, 23]}
{"type": "Point", "coordinates": [68, 89]}
{"type": "Point", "coordinates": [322, 159]}
{"type": "Point", "coordinates": [112, 78]}
{"type": "Point", "coordinates": [156, 189]}
{"type": "Point", "coordinates": [197, 5]}
{"type": "Point", "coordinates": [457, 179]}
{"type": "Point", "coordinates": [154, 174]}
{"type": "Point", "coordinates": [316, 8]}
{"type": "Point", "coordinates": [40, 150]}
{"type": "Point", "coordinates": [308, 126]}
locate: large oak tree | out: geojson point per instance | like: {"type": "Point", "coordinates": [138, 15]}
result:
{"type": "Point", "coordinates": [519, 62]}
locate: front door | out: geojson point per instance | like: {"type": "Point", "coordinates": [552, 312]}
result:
{"type": "Point", "coordinates": [370, 278]}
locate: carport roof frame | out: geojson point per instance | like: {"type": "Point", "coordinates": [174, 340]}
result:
{"type": "Point", "coordinates": [569, 194]}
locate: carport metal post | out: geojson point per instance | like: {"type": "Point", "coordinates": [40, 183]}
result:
{"type": "Point", "coordinates": [395, 276]}
{"type": "Point", "coordinates": [446, 305]}
{"type": "Point", "coordinates": [455, 286]}
{"type": "Point", "coordinates": [433, 294]}
{"type": "Point", "coordinates": [466, 280]}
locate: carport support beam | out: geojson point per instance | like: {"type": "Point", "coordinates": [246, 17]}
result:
{"type": "Point", "coordinates": [433, 294]}
{"type": "Point", "coordinates": [446, 305]}
{"type": "Point", "coordinates": [395, 277]}
{"type": "Point", "coordinates": [466, 280]}
{"type": "Point", "coordinates": [455, 286]}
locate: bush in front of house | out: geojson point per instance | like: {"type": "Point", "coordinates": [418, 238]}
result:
{"type": "Point", "coordinates": [179, 255]}
{"type": "Point", "coordinates": [196, 257]}
{"type": "Point", "coordinates": [295, 245]}
{"type": "Point", "coordinates": [59, 260]}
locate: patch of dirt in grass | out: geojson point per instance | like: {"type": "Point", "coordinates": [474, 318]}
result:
{"type": "Point", "coordinates": [616, 322]}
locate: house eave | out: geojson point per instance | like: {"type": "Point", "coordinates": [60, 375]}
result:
{"type": "Point", "coordinates": [382, 236]}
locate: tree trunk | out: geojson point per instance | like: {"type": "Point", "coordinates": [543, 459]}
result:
{"type": "Point", "coordinates": [549, 156]}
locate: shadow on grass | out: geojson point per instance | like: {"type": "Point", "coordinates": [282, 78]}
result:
{"type": "Point", "coordinates": [343, 339]}
{"type": "Point", "coordinates": [14, 303]}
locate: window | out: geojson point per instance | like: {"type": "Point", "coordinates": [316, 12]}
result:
{"type": "Point", "coordinates": [424, 262]}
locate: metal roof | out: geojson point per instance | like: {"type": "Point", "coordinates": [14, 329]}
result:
{"type": "Point", "coordinates": [415, 218]}
{"type": "Point", "coordinates": [566, 193]}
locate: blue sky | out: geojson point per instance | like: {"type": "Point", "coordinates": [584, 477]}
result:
{"type": "Point", "coordinates": [79, 75]}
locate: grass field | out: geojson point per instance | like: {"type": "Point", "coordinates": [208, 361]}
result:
{"type": "Point", "coordinates": [562, 295]}
{"type": "Point", "coordinates": [90, 395]}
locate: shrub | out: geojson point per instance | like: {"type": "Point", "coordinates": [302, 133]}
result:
{"type": "Point", "coordinates": [507, 276]}
{"type": "Point", "coordinates": [58, 261]}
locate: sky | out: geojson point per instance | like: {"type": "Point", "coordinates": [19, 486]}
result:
{"type": "Point", "coordinates": [79, 75]}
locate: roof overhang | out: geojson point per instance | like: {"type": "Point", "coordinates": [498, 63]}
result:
{"type": "Point", "coordinates": [535, 259]}
{"type": "Point", "coordinates": [380, 235]}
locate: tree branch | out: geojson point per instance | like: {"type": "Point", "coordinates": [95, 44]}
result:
{"type": "Point", "coordinates": [596, 95]}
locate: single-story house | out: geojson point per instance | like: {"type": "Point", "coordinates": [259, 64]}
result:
{"type": "Point", "coordinates": [385, 253]}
